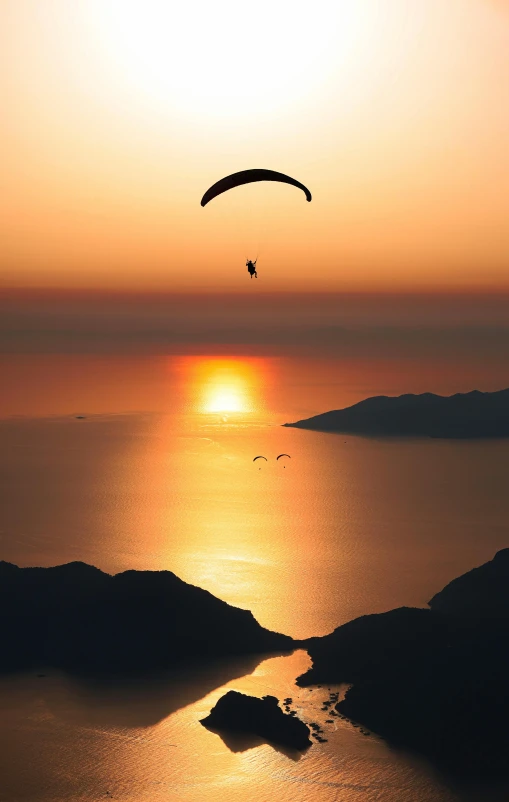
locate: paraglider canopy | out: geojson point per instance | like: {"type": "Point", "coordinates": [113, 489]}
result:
{"type": "Point", "coordinates": [260, 457]}
{"type": "Point", "coordinates": [249, 177]}
{"type": "Point", "coordinates": [283, 455]}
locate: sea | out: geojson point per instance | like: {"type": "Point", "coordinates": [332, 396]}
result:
{"type": "Point", "coordinates": [148, 463]}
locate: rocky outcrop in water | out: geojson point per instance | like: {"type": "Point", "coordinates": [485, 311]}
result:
{"type": "Point", "coordinates": [466, 416]}
{"type": "Point", "coordinates": [78, 618]}
{"type": "Point", "coordinates": [237, 713]}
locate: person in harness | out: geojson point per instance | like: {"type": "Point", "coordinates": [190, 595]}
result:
{"type": "Point", "coordinates": [251, 268]}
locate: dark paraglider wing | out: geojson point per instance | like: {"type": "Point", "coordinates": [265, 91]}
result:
{"type": "Point", "coordinates": [249, 177]}
{"type": "Point", "coordinates": [260, 457]}
{"type": "Point", "coordinates": [283, 455]}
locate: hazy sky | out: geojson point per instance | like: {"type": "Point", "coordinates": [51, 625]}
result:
{"type": "Point", "coordinates": [118, 114]}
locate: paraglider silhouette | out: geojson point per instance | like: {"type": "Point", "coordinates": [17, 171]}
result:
{"type": "Point", "coordinates": [251, 268]}
{"type": "Point", "coordinates": [283, 455]}
{"type": "Point", "coordinates": [249, 177]}
{"type": "Point", "coordinates": [260, 457]}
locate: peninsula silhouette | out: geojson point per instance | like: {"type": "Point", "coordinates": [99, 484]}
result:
{"type": "Point", "coordinates": [462, 416]}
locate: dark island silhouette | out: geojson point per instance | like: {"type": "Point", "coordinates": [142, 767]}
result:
{"type": "Point", "coordinates": [238, 713]}
{"type": "Point", "coordinates": [466, 416]}
{"type": "Point", "coordinates": [77, 618]}
{"type": "Point", "coordinates": [433, 680]}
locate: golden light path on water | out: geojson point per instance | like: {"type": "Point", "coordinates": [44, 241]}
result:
{"type": "Point", "coordinates": [229, 548]}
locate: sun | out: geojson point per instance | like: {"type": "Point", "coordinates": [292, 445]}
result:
{"type": "Point", "coordinates": [224, 58]}
{"type": "Point", "coordinates": [225, 385]}
{"type": "Point", "coordinates": [224, 399]}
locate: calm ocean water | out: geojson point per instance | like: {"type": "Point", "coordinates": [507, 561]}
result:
{"type": "Point", "coordinates": [349, 526]}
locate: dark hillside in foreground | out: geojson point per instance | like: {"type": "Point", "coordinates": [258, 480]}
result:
{"type": "Point", "coordinates": [76, 617]}
{"type": "Point", "coordinates": [433, 680]}
{"type": "Point", "coordinates": [468, 415]}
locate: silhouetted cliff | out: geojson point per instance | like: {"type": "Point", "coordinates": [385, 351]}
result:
{"type": "Point", "coordinates": [480, 594]}
{"type": "Point", "coordinates": [468, 415]}
{"type": "Point", "coordinates": [372, 644]}
{"type": "Point", "coordinates": [433, 680]}
{"type": "Point", "coordinates": [77, 617]}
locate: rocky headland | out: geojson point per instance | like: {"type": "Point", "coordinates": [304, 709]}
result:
{"type": "Point", "coordinates": [433, 680]}
{"type": "Point", "coordinates": [78, 618]}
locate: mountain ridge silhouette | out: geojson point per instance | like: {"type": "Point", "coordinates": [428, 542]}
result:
{"type": "Point", "coordinates": [460, 416]}
{"type": "Point", "coordinates": [76, 617]}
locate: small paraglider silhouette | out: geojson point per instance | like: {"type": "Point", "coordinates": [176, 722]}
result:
{"type": "Point", "coordinates": [260, 457]}
{"type": "Point", "coordinates": [283, 455]}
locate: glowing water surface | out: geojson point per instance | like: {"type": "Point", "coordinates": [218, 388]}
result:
{"type": "Point", "coordinates": [350, 526]}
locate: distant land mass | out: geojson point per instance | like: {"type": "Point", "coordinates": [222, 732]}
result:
{"type": "Point", "coordinates": [434, 680]}
{"type": "Point", "coordinates": [77, 618]}
{"type": "Point", "coordinates": [464, 415]}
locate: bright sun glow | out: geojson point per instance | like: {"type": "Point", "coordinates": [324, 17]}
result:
{"type": "Point", "coordinates": [226, 57]}
{"type": "Point", "coordinates": [224, 386]}
{"type": "Point", "coordinates": [224, 399]}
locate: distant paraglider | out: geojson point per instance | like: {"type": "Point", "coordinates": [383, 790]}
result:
{"type": "Point", "coordinates": [260, 456]}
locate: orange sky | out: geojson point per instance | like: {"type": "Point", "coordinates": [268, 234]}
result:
{"type": "Point", "coordinates": [118, 114]}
